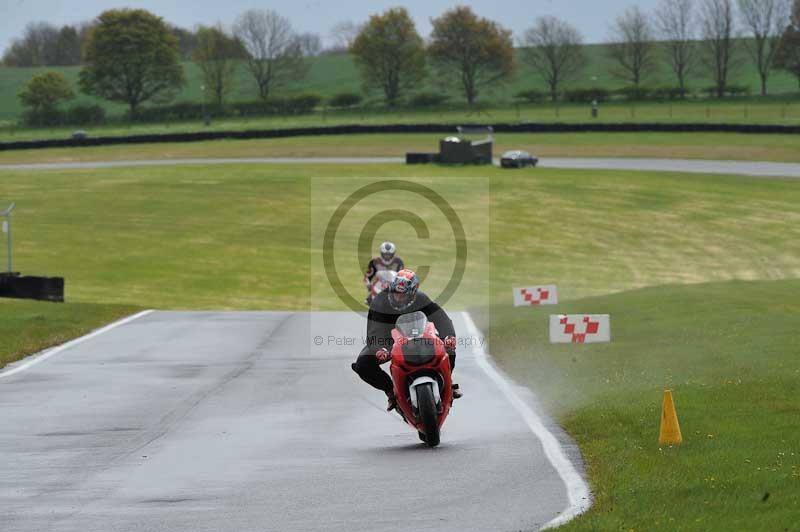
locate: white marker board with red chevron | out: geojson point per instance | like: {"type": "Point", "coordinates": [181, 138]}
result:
{"type": "Point", "coordinates": [545, 294]}
{"type": "Point", "coordinates": [580, 328]}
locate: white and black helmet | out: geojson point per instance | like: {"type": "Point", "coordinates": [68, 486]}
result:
{"type": "Point", "coordinates": [387, 252]}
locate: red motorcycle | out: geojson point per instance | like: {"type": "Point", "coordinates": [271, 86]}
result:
{"type": "Point", "coordinates": [421, 373]}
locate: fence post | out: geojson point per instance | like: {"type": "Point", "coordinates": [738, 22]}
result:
{"type": "Point", "coordinates": [7, 229]}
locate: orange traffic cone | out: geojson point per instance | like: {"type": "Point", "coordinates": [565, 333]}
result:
{"type": "Point", "coordinates": [670, 429]}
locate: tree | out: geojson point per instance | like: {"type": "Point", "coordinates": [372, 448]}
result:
{"type": "Point", "coordinates": [674, 21]}
{"type": "Point", "coordinates": [390, 53]}
{"type": "Point", "coordinates": [131, 57]}
{"type": "Point", "coordinates": [68, 47]}
{"type": "Point", "coordinates": [217, 54]}
{"type": "Point", "coordinates": [274, 54]}
{"type": "Point", "coordinates": [344, 33]}
{"type": "Point", "coordinates": [475, 50]}
{"type": "Point", "coordinates": [37, 47]}
{"type": "Point", "coordinates": [310, 43]}
{"type": "Point", "coordinates": [718, 41]}
{"type": "Point", "coordinates": [45, 91]}
{"type": "Point", "coordinates": [632, 45]}
{"type": "Point", "coordinates": [766, 21]}
{"type": "Point", "coordinates": [553, 50]}
{"type": "Point", "coordinates": [187, 42]}
{"type": "Point", "coordinates": [788, 56]}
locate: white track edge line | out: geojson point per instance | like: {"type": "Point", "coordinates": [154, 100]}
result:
{"type": "Point", "coordinates": [578, 491]}
{"type": "Point", "coordinates": [36, 359]}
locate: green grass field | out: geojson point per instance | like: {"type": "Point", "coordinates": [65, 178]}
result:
{"type": "Point", "coordinates": [720, 146]}
{"type": "Point", "coordinates": [785, 111]}
{"type": "Point", "coordinates": [699, 273]}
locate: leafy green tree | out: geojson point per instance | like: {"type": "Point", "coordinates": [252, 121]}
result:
{"type": "Point", "coordinates": [45, 91]}
{"type": "Point", "coordinates": [217, 54]}
{"type": "Point", "coordinates": [788, 56]}
{"type": "Point", "coordinates": [476, 51]}
{"type": "Point", "coordinates": [131, 57]}
{"type": "Point", "coordinates": [390, 53]}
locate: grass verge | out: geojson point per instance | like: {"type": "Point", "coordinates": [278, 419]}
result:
{"type": "Point", "coordinates": [721, 146]}
{"type": "Point", "coordinates": [729, 353]}
{"type": "Point", "coordinates": [27, 327]}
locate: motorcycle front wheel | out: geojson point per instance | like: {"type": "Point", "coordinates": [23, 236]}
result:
{"type": "Point", "coordinates": [428, 414]}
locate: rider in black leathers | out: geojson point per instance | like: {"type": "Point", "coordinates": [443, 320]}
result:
{"type": "Point", "coordinates": [383, 313]}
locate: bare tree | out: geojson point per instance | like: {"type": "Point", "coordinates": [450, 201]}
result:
{"type": "Point", "coordinates": [344, 34]}
{"type": "Point", "coordinates": [674, 21]}
{"type": "Point", "coordinates": [766, 21]}
{"type": "Point", "coordinates": [217, 54]}
{"type": "Point", "coordinates": [274, 54]}
{"type": "Point", "coordinates": [632, 45]}
{"type": "Point", "coordinates": [38, 46]}
{"type": "Point", "coordinates": [311, 44]}
{"type": "Point", "coordinates": [553, 50]}
{"type": "Point", "coordinates": [718, 41]}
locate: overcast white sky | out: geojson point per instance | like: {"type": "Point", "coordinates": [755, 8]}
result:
{"type": "Point", "coordinates": [592, 17]}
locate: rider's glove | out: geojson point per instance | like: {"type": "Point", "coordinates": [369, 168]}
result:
{"type": "Point", "coordinates": [450, 343]}
{"type": "Point", "coordinates": [383, 355]}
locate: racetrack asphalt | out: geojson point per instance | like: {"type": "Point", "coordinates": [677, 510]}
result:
{"type": "Point", "coordinates": [749, 168]}
{"type": "Point", "coordinates": [232, 421]}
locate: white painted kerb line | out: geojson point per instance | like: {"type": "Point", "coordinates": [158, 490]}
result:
{"type": "Point", "coordinates": [63, 347]}
{"type": "Point", "coordinates": [577, 490]}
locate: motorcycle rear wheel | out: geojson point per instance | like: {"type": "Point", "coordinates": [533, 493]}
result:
{"type": "Point", "coordinates": [428, 414]}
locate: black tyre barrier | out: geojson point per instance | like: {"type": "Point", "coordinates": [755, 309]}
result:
{"type": "Point", "coordinates": [399, 128]}
{"type": "Point", "coordinates": [31, 287]}
{"type": "Point", "coordinates": [421, 158]}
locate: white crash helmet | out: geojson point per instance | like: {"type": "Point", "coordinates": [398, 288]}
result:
{"type": "Point", "coordinates": [387, 252]}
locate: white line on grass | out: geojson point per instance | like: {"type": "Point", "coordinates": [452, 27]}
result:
{"type": "Point", "coordinates": [56, 350]}
{"type": "Point", "coordinates": [577, 490]}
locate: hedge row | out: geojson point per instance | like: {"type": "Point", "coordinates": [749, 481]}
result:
{"type": "Point", "coordinates": [397, 128]}
{"type": "Point", "coordinates": [77, 115]}
{"type": "Point", "coordinates": [292, 105]}
{"type": "Point", "coordinates": [631, 94]}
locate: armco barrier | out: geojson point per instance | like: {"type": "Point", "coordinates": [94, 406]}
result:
{"type": "Point", "coordinates": [397, 128]}
{"type": "Point", "coordinates": [30, 287]}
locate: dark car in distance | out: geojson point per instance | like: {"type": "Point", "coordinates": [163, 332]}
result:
{"type": "Point", "coordinates": [517, 159]}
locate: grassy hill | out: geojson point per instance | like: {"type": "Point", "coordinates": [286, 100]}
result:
{"type": "Point", "coordinates": [332, 74]}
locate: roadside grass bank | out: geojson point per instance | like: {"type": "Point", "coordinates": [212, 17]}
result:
{"type": "Point", "coordinates": [27, 327]}
{"type": "Point", "coordinates": [729, 353]}
{"type": "Point", "coordinates": [784, 111]}
{"type": "Point", "coordinates": [719, 146]}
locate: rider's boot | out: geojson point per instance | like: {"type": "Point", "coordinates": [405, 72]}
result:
{"type": "Point", "coordinates": [392, 402]}
{"type": "Point", "coordinates": [457, 392]}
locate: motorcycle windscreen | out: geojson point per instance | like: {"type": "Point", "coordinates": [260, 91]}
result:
{"type": "Point", "coordinates": [412, 325]}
